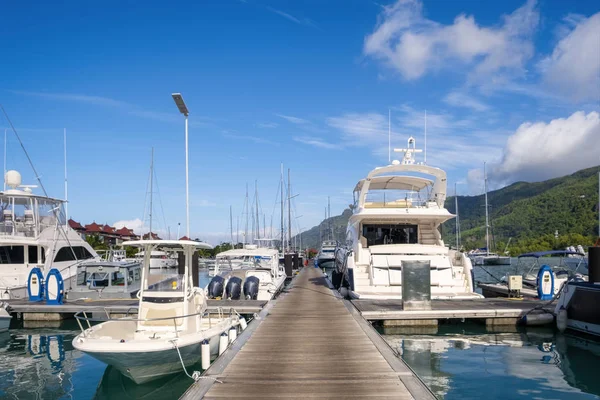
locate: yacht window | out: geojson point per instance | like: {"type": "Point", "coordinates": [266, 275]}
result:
{"type": "Point", "coordinates": [32, 250]}
{"type": "Point", "coordinates": [66, 254]}
{"type": "Point", "coordinates": [327, 250]}
{"type": "Point", "coordinates": [118, 279]}
{"type": "Point", "coordinates": [390, 234]}
{"type": "Point", "coordinates": [81, 275]}
{"type": "Point", "coordinates": [99, 279]}
{"type": "Point", "coordinates": [12, 255]}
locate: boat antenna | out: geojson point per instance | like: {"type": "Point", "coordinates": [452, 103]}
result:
{"type": "Point", "coordinates": [66, 187]}
{"type": "Point", "coordinates": [425, 147]}
{"type": "Point", "coordinates": [457, 218]}
{"type": "Point", "coordinates": [389, 135]}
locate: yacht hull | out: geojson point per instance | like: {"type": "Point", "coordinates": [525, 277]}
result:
{"type": "Point", "coordinates": [581, 299]}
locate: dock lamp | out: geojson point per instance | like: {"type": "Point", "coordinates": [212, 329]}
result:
{"type": "Point", "coordinates": [184, 110]}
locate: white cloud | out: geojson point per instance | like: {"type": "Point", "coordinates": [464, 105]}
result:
{"type": "Point", "coordinates": [290, 17]}
{"type": "Point", "coordinates": [293, 120]}
{"type": "Point", "coordinates": [573, 69]}
{"type": "Point", "coordinates": [414, 45]}
{"type": "Point", "coordinates": [460, 99]}
{"type": "Point", "coordinates": [254, 139]}
{"type": "Point", "coordinates": [267, 125]}
{"type": "Point", "coordinates": [137, 225]}
{"type": "Point", "coordinates": [315, 141]}
{"type": "Point", "coordinates": [539, 150]}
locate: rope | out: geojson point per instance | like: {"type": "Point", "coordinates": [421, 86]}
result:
{"type": "Point", "coordinates": [196, 375]}
{"type": "Point", "coordinates": [489, 273]}
{"type": "Point", "coordinates": [544, 305]}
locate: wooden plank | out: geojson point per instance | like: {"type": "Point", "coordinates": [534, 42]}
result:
{"type": "Point", "coordinates": [312, 346]}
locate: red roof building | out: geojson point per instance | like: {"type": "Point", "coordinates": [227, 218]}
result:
{"type": "Point", "coordinates": [184, 238]}
{"type": "Point", "coordinates": [151, 235]}
{"type": "Point", "coordinates": [93, 228]}
{"type": "Point", "coordinates": [75, 225]}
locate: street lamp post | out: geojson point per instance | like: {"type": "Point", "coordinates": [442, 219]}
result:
{"type": "Point", "coordinates": [184, 110]}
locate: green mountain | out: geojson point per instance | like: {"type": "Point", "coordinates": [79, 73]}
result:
{"type": "Point", "coordinates": [313, 237]}
{"type": "Point", "coordinates": [529, 213]}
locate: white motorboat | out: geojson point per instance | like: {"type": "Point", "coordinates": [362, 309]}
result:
{"type": "Point", "coordinates": [578, 307]}
{"type": "Point", "coordinates": [34, 233]}
{"type": "Point", "coordinates": [251, 273]}
{"type": "Point", "coordinates": [396, 220]}
{"type": "Point", "coordinates": [5, 318]}
{"type": "Point", "coordinates": [326, 255]}
{"type": "Point", "coordinates": [159, 260]}
{"type": "Point", "coordinates": [172, 323]}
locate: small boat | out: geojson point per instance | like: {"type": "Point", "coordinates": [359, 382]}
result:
{"type": "Point", "coordinates": [5, 318]}
{"type": "Point", "coordinates": [107, 280]}
{"type": "Point", "coordinates": [251, 273]}
{"type": "Point", "coordinates": [577, 307]}
{"type": "Point", "coordinates": [172, 323]}
{"type": "Point", "coordinates": [326, 256]}
{"type": "Point", "coordinates": [159, 260]}
{"type": "Point", "coordinates": [561, 271]}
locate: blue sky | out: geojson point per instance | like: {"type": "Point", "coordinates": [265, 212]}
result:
{"type": "Point", "coordinates": [309, 84]}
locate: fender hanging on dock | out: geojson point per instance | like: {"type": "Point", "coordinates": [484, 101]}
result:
{"type": "Point", "coordinates": [545, 283]}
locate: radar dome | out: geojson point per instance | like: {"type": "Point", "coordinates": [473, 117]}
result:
{"type": "Point", "coordinates": [12, 179]}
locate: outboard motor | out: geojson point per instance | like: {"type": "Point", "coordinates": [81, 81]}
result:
{"type": "Point", "coordinates": [251, 288]}
{"type": "Point", "coordinates": [233, 290]}
{"type": "Point", "coordinates": [215, 287]}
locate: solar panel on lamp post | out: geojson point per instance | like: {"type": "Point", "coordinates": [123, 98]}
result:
{"type": "Point", "coordinates": [184, 110]}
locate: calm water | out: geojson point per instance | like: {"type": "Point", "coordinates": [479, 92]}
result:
{"type": "Point", "coordinates": [467, 362]}
{"type": "Point", "coordinates": [457, 361]}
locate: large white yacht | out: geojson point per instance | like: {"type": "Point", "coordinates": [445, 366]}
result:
{"type": "Point", "coordinates": [34, 233]}
{"type": "Point", "coordinates": [397, 213]}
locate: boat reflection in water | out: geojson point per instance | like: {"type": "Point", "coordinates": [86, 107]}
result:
{"type": "Point", "coordinates": [115, 385]}
{"type": "Point", "coordinates": [36, 366]}
{"type": "Point", "coordinates": [466, 361]}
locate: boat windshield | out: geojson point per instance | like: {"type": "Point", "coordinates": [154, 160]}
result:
{"type": "Point", "coordinates": [165, 283]}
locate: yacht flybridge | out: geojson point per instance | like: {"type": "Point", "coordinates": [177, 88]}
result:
{"type": "Point", "coordinates": [397, 213]}
{"type": "Point", "coordinates": [34, 233]}
{"type": "Point", "coordinates": [172, 323]}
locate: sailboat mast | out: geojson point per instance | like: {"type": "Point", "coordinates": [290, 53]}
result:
{"type": "Point", "coordinates": [330, 233]}
{"type": "Point", "coordinates": [487, 216]}
{"type": "Point", "coordinates": [289, 211]}
{"type": "Point", "coordinates": [457, 219]}
{"type": "Point", "coordinates": [151, 187]}
{"type": "Point", "coordinates": [281, 185]}
{"type": "Point", "coordinates": [231, 225]}
{"type": "Point", "coordinates": [257, 218]}
{"type": "Point", "coordinates": [246, 209]}
{"type": "Point", "coordinates": [4, 177]}
{"type": "Point", "coordinates": [66, 187]}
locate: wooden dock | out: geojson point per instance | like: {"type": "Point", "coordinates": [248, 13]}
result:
{"type": "Point", "coordinates": [500, 310]}
{"type": "Point", "coordinates": [120, 306]}
{"type": "Point", "coordinates": [312, 344]}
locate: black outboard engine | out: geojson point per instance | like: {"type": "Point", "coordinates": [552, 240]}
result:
{"type": "Point", "coordinates": [251, 288]}
{"type": "Point", "coordinates": [233, 290]}
{"type": "Point", "coordinates": [215, 287]}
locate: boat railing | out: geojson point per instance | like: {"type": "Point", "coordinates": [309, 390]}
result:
{"type": "Point", "coordinates": [83, 319]}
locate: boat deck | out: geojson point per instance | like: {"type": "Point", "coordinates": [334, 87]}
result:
{"type": "Point", "coordinates": [312, 344]}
